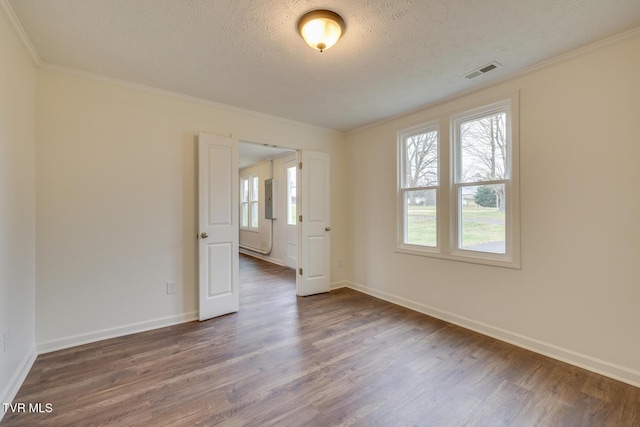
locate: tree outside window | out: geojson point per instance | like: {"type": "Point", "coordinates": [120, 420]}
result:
{"type": "Point", "coordinates": [470, 213]}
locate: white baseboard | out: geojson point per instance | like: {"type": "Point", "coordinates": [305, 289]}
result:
{"type": "Point", "coordinates": [18, 377]}
{"type": "Point", "coordinates": [593, 364]}
{"type": "Point", "coordinates": [262, 257]}
{"type": "Point", "coordinates": [133, 328]}
{"type": "Point", "coordinates": [338, 285]}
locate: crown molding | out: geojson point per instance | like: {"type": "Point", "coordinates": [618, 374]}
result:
{"type": "Point", "coordinates": [511, 76]}
{"type": "Point", "coordinates": [12, 20]}
{"type": "Point", "coordinates": [150, 89]}
{"type": "Point", "coordinates": [18, 29]}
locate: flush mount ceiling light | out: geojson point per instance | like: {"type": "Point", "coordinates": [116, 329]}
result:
{"type": "Point", "coordinates": [321, 29]}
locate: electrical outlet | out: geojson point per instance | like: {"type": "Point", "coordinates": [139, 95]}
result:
{"type": "Point", "coordinates": [171, 288]}
{"type": "Point", "coordinates": [339, 263]}
{"type": "Point", "coordinates": [7, 339]}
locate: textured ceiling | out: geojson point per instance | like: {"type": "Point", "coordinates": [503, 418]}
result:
{"type": "Point", "coordinates": [250, 153]}
{"type": "Point", "coordinates": [395, 55]}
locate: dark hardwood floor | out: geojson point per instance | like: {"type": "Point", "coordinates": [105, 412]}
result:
{"type": "Point", "coordinates": [342, 358]}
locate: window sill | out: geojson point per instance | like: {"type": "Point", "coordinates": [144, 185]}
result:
{"type": "Point", "coordinates": [463, 256]}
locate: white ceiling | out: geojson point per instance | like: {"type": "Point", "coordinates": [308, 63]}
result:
{"type": "Point", "coordinates": [394, 57]}
{"type": "Point", "coordinates": [250, 153]}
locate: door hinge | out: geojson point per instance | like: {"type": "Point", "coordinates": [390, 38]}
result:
{"type": "Point", "coordinates": [300, 165]}
{"type": "Point", "coordinates": [299, 218]}
{"type": "Point", "coordinates": [300, 270]}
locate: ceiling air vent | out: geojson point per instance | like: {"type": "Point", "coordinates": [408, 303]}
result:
{"type": "Point", "coordinates": [484, 69]}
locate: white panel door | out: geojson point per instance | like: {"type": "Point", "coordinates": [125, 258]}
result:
{"type": "Point", "coordinates": [218, 225]}
{"type": "Point", "coordinates": [314, 240]}
{"type": "Point", "coordinates": [291, 225]}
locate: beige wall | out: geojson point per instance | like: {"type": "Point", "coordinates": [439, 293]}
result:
{"type": "Point", "coordinates": [17, 212]}
{"type": "Point", "coordinates": [576, 296]}
{"type": "Point", "coordinates": [116, 202]}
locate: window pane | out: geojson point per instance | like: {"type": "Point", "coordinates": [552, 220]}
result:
{"type": "Point", "coordinates": [291, 195]}
{"type": "Point", "coordinates": [483, 149]}
{"type": "Point", "coordinates": [244, 215]}
{"type": "Point", "coordinates": [421, 160]}
{"type": "Point", "coordinates": [482, 223]}
{"type": "Point", "coordinates": [254, 214]}
{"type": "Point", "coordinates": [244, 190]}
{"type": "Point", "coordinates": [420, 217]}
{"type": "Point", "coordinates": [254, 188]}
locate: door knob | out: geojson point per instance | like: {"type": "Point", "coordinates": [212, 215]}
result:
{"type": "Point", "coordinates": [327, 229]}
{"type": "Point", "coordinates": [204, 235]}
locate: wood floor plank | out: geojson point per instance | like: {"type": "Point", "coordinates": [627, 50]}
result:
{"type": "Point", "coordinates": [336, 359]}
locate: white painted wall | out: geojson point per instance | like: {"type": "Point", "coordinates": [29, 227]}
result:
{"type": "Point", "coordinates": [576, 296]}
{"type": "Point", "coordinates": [17, 213]}
{"type": "Point", "coordinates": [116, 202]}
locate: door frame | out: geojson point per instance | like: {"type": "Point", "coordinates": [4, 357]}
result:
{"type": "Point", "coordinates": [298, 151]}
{"type": "Point", "coordinates": [294, 157]}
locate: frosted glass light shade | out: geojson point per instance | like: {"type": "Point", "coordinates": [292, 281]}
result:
{"type": "Point", "coordinates": [321, 29]}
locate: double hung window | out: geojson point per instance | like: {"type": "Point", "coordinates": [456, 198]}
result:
{"type": "Point", "coordinates": [458, 187]}
{"type": "Point", "coordinates": [249, 202]}
{"type": "Point", "coordinates": [419, 185]}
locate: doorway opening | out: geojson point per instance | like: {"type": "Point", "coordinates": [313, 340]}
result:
{"type": "Point", "coordinates": [268, 203]}
{"type": "Point", "coordinates": [224, 212]}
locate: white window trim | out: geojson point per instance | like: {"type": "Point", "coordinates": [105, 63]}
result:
{"type": "Point", "coordinates": [254, 199]}
{"type": "Point", "coordinates": [447, 210]}
{"type": "Point", "coordinates": [402, 190]}
{"type": "Point", "coordinates": [249, 179]}
{"type": "Point", "coordinates": [289, 205]}
{"type": "Point", "coordinates": [243, 202]}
